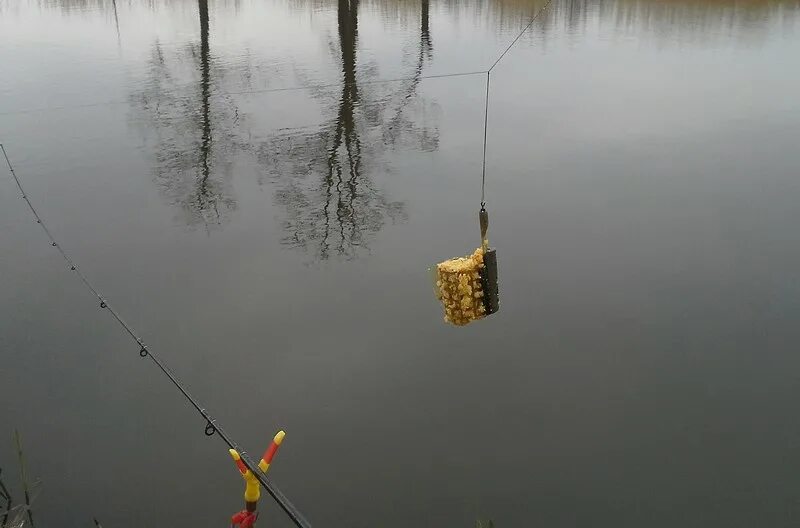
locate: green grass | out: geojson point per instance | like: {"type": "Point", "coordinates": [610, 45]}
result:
{"type": "Point", "coordinates": [12, 513]}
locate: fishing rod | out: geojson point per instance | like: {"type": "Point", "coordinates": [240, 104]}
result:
{"type": "Point", "coordinates": [212, 425]}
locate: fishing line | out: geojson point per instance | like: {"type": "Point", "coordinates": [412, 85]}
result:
{"type": "Point", "coordinates": [212, 425]}
{"type": "Point", "coordinates": [485, 133]}
{"type": "Point", "coordinates": [359, 83]}
{"type": "Point", "coordinates": [256, 91]}
{"type": "Point", "coordinates": [526, 28]}
{"type": "Point", "coordinates": [486, 106]}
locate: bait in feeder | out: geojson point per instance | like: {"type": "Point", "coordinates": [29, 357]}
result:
{"type": "Point", "coordinates": [467, 286]}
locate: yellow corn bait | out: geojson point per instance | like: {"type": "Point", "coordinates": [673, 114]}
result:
{"type": "Point", "coordinates": [459, 288]}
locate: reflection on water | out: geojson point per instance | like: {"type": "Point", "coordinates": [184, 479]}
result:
{"type": "Point", "coordinates": [643, 175]}
{"type": "Point", "coordinates": [648, 14]}
{"type": "Point", "coordinates": [194, 135]}
{"type": "Point", "coordinates": [707, 17]}
{"type": "Point", "coordinates": [323, 177]}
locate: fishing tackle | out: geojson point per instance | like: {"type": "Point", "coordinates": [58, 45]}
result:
{"type": "Point", "coordinates": [467, 286]}
{"type": "Point", "coordinates": [252, 491]}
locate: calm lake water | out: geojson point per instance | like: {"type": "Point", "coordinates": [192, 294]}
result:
{"type": "Point", "coordinates": [243, 185]}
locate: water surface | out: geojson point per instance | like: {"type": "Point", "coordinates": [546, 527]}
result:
{"type": "Point", "coordinates": [259, 187]}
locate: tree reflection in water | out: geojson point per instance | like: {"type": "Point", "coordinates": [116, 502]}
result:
{"type": "Point", "coordinates": [195, 136]}
{"type": "Point", "coordinates": [333, 206]}
{"type": "Point", "coordinates": [325, 178]}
